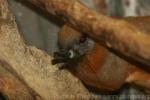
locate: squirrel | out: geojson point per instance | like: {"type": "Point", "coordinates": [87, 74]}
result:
{"type": "Point", "coordinates": [94, 64]}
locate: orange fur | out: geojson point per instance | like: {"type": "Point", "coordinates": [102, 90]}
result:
{"type": "Point", "coordinates": [104, 70]}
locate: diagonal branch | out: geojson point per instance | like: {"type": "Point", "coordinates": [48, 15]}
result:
{"type": "Point", "coordinates": [113, 33]}
{"type": "Point", "coordinates": [26, 73]}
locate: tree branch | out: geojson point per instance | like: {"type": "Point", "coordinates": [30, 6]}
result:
{"type": "Point", "coordinates": [26, 72]}
{"type": "Point", "coordinates": [113, 33]}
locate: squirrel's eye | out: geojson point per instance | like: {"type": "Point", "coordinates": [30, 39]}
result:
{"type": "Point", "coordinates": [82, 39]}
{"type": "Point", "coordinates": [70, 54]}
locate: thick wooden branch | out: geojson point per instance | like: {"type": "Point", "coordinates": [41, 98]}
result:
{"type": "Point", "coordinates": [12, 87]}
{"type": "Point", "coordinates": [114, 33]}
{"type": "Point", "coordinates": [26, 72]}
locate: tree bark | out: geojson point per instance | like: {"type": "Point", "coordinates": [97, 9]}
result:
{"type": "Point", "coordinates": [26, 72]}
